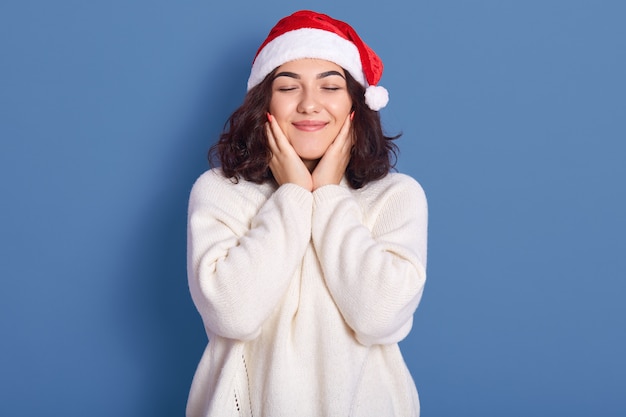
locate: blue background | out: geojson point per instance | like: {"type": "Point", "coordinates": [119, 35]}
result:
{"type": "Point", "coordinates": [514, 121]}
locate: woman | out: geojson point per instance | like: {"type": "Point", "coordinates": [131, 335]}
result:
{"type": "Point", "coordinates": [306, 256]}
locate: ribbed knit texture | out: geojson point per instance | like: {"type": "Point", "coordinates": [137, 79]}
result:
{"type": "Point", "coordinates": [304, 296]}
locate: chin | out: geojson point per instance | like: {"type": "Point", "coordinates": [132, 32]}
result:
{"type": "Point", "coordinates": [310, 156]}
{"type": "Point", "coordinates": [310, 152]}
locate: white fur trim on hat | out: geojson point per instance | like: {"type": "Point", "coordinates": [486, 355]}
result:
{"type": "Point", "coordinates": [307, 43]}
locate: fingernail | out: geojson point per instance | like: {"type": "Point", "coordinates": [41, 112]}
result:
{"type": "Point", "coordinates": [269, 117]}
{"type": "Point", "coordinates": [351, 115]}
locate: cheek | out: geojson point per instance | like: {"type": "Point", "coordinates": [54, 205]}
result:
{"type": "Point", "coordinates": [341, 108]}
{"type": "Point", "coordinates": [272, 109]}
{"type": "Point", "coordinates": [279, 108]}
{"type": "Point", "coordinates": [275, 103]}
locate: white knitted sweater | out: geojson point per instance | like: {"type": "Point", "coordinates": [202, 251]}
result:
{"type": "Point", "coordinates": [304, 296]}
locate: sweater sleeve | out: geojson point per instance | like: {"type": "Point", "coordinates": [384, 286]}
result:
{"type": "Point", "coordinates": [375, 272]}
{"type": "Point", "coordinates": [242, 251]}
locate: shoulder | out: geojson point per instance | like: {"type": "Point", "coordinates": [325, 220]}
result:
{"type": "Point", "coordinates": [208, 183]}
{"type": "Point", "coordinates": [394, 198]}
{"type": "Point", "coordinates": [395, 184]}
{"type": "Point", "coordinates": [210, 178]}
{"type": "Point", "coordinates": [215, 186]}
{"type": "Point", "coordinates": [395, 193]}
{"type": "Point", "coordinates": [403, 180]}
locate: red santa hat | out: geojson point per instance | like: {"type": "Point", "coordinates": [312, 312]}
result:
{"type": "Point", "coordinates": [307, 34]}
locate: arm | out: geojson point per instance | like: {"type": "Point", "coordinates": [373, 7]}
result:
{"type": "Point", "coordinates": [243, 251]}
{"type": "Point", "coordinates": [374, 272]}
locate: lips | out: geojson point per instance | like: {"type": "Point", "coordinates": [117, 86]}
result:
{"type": "Point", "coordinates": [309, 125]}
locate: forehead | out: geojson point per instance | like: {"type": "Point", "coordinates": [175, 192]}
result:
{"type": "Point", "coordinates": [310, 66]}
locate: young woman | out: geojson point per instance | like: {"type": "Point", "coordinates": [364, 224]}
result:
{"type": "Point", "coordinates": [306, 255]}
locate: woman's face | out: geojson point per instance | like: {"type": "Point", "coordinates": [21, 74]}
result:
{"type": "Point", "coordinates": [310, 102]}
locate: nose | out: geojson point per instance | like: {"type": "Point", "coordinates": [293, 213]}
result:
{"type": "Point", "coordinates": [309, 102]}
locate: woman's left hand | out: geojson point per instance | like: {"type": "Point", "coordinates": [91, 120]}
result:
{"type": "Point", "coordinates": [332, 167]}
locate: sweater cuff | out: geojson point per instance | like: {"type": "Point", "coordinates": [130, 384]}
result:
{"type": "Point", "coordinates": [330, 192]}
{"type": "Point", "coordinates": [299, 195]}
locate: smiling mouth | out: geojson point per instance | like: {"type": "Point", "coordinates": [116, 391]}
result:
{"type": "Point", "coordinates": [309, 125]}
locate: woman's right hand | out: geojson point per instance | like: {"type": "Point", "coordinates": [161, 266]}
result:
{"type": "Point", "coordinates": [286, 165]}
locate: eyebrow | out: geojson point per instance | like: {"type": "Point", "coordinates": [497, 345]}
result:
{"type": "Point", "coordinates": [319, 76]}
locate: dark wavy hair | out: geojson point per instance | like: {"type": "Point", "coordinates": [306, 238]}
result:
{"type": "Point", "coordinates": [242, 150]}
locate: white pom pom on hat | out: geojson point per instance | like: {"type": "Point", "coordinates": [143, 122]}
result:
{"type": "Point", "coordinates": [376, 97]}
{"type": "Point", "coordinates": [308, 34]}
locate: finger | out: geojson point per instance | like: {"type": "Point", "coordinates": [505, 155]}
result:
{"type": "Point", "coordinates": [351, 138]}
{"type": "Point", "coordinates": [271, 140]}
{"type": "Point", "coordinates": [343, 142]}
{"type": "Point", "coordinates": [279, 137]}
{"type": "Point", "coordinates": [344, 137]}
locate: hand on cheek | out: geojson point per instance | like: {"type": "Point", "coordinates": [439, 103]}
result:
{"type": "Point", "coordinates": [286, 165]}
{"type": "Point", "coordinates": [332, 167]}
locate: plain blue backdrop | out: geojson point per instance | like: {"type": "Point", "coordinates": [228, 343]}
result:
{"type": "Point", "coordinates": [513, 116]}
